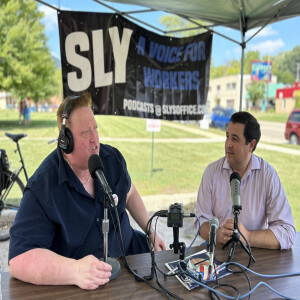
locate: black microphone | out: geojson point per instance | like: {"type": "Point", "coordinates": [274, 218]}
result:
{"type": "Point", "coordinates": [213, 227]}
{"type": "Point", "coordinates": [97, 171]}
{"type": "Point", "coordinates": [235, 181]}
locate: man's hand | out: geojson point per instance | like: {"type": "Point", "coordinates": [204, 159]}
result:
{"type": "Point", "coordinates": [226, 230]}
{"type": "Point", "coordinates": [157, 242]}
{"type": "Point", "coordinates": [91, 272]}
{"type": "Point", "coordinates": [257, 238]}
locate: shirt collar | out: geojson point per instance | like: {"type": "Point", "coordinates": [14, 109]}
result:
{"type": "Point", "coordinates": [62, 170]}
{"type": "Point", "coordinates": [254, 164]}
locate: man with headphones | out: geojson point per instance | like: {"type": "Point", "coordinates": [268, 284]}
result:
{"type": "Point", "coordinates": [57, 235]}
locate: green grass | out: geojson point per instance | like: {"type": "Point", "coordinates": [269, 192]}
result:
{"type": "Point", "coordinates": [270, 116]}
{"type": "Point", "coordinates": [44, 125]}
{"type": "Point", "coordinates": [181, 164]}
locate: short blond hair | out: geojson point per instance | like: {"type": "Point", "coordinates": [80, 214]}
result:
{"type": "Point", "coordinates": [76, 101]}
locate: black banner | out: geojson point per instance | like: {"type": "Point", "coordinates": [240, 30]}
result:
{"type": "Point", "coordinates": [131, 71]}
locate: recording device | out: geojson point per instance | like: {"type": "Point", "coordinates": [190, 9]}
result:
{"type": "Point", "coordinates": [213, 227]}
{"type": "Point", "coordinates": [235, 181]}
{"type": "Point", "coordinates": [97, 171]}
{"type": "Point", "coordinates": [175, 215]}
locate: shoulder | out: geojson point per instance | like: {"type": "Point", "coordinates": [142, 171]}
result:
{"type": "Point", "coordinates": [115, 167]}
{"type": "Point", "coordinates": [263, 166]}
{"type": "Point", "coordinates": [112, 158]}
{"type": "Point", "coordinates": [108, 150]}
{"type": "Point", "coordinates": [216, 166]}
{"type": "Point", "coordinates": [46, 172]}
{"type": "Point", "coordinates": [264, 173]}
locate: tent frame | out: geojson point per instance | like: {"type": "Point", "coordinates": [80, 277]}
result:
{"type": "Point", "coordinates": [242, 25]}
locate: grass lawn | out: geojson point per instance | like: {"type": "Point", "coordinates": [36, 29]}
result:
{"type": "Point", "coordinates": [270, 116]}
{"type": "Point", "coordinates": [180, 165]}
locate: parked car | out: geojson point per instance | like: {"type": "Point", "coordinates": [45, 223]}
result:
{"type": "Point", "coordinates": [292, 127]}
{"type": "Point", "coordinates": [221, 117]}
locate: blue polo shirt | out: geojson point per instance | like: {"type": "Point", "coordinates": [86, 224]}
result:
{"type": "Point", "coordinates": [57, 213]}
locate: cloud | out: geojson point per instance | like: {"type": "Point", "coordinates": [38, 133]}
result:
{"type": "Point", "coordinates": [55, 55]}
{"type": "Point", "coordinates": [50, 18]}
{"type": "Point", "coordinates": [267, 47]}
{"type": "Point", "coordinates": [266, 32]}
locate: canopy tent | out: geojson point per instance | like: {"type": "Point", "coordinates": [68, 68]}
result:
{"type": "Point", "coordinates": [236, 14]}
{"type": "Point", "coordinates": [241, 15]}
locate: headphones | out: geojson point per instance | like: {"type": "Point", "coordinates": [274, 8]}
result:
{"type": "Point", "coordinates": [65, 138]}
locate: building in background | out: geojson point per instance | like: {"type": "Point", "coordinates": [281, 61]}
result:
{"type": "Point", "coordinates": [285, 98]}
{"type": "Point", "coordinates": [225, 92]}
{"type": "Point", "coordinates": [6, 100]}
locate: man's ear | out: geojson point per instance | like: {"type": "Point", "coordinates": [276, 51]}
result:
{"type": "Point", "coordinates": [252, 145]}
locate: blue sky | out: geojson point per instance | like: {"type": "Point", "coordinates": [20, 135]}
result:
{"type": "Point", "coordinates": [275, 38]}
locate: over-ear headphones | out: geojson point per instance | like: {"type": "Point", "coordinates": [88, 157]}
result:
{"type": "Point", "coordinates": [65, 138]}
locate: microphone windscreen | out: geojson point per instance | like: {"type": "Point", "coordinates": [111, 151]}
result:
{"type": "Point", "coordinates": [214, 222]}
{"type": "Point", "coordinates": [95, 163]}
{"type": "Point", "coordinates": [235, 175]}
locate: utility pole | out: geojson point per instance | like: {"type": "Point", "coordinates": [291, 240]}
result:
{"type": "Point", "coordinates": [298, 73]}
{"type": "Point", "coordinates": [268, 79]}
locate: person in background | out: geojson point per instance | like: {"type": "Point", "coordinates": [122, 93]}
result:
{"type": "Point", "coordinates": [21, 111]}
{"type": "Point", "coordinates": [27, 116]}
{"type": "Point", "coordinates": [266, 219]}
{"type": "Point", "coordinates": [57, 237]}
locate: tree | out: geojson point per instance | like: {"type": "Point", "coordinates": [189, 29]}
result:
{"type": "Point", "coordinates": [249, 57]}
{"type": "Point", "coordinates": [285, 65]}
{"type": "Point", "coordinates": [256, 91]}
{"type": "Point", "coordinates": [26, 66]}
{"type": "Point", "coordinates": [173, 22]}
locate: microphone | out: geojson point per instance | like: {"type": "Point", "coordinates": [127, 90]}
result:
{"type": "Point", "coordinates": [213, 227]}
{"type": "Point", "coordinates": [235, 181]}
{"type": "Point", "coordinates": [97, 171]}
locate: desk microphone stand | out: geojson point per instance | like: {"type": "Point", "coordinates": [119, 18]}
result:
{"type": "Point", "coordinates": [116, 269]}
{"type": "Point", "coordinates": [235, 237]}
{"type": "Point", "coordinates": [178, 246]}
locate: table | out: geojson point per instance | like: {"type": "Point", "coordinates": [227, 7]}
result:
{"type": "Point", "coordinates": [126, 287]}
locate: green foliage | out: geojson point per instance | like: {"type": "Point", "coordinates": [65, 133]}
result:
{"type": "Point", "coordinates": [233, 66]}
{"type": "Point", "coordinates": [249, 57]}
{"type": "Point", "coordinates": [270, 117]}
{"type": "Point", "coordinates": [286, 77]}
{"type": "Point", "coordinates": [256, 91]}
{"type": "Point", "coordinates": [285, 65]}
{"type": "Point", "coordinates": [173, 22]}
{"type": "Point", "coordinates": [26, 66]}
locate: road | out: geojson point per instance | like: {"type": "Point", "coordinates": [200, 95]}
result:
{"type": "Point", "coordinates": [272, 132]}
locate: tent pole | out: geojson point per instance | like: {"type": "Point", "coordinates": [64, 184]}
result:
{"type": "Point", "coordinates": [242, 72]}
{"type": "Point", "coordinates": [243, 46]}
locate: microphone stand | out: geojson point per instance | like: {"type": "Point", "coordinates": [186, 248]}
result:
{"type": "Point", "coordinates": [116, 269]}
{"type": "Point", "coordinates": [235, 237]}
{"type": "Point", "coordinates": [178, 246]}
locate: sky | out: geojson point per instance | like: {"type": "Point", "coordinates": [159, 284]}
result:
{"type": "Point", "coordinates": [273, 39]}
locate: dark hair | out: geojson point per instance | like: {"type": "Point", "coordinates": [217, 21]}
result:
{"type": "Point", "coordinates": [252, 128]}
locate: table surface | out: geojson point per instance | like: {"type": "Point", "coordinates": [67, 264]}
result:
{"type": "Point", "coordinates": [126, 287]}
